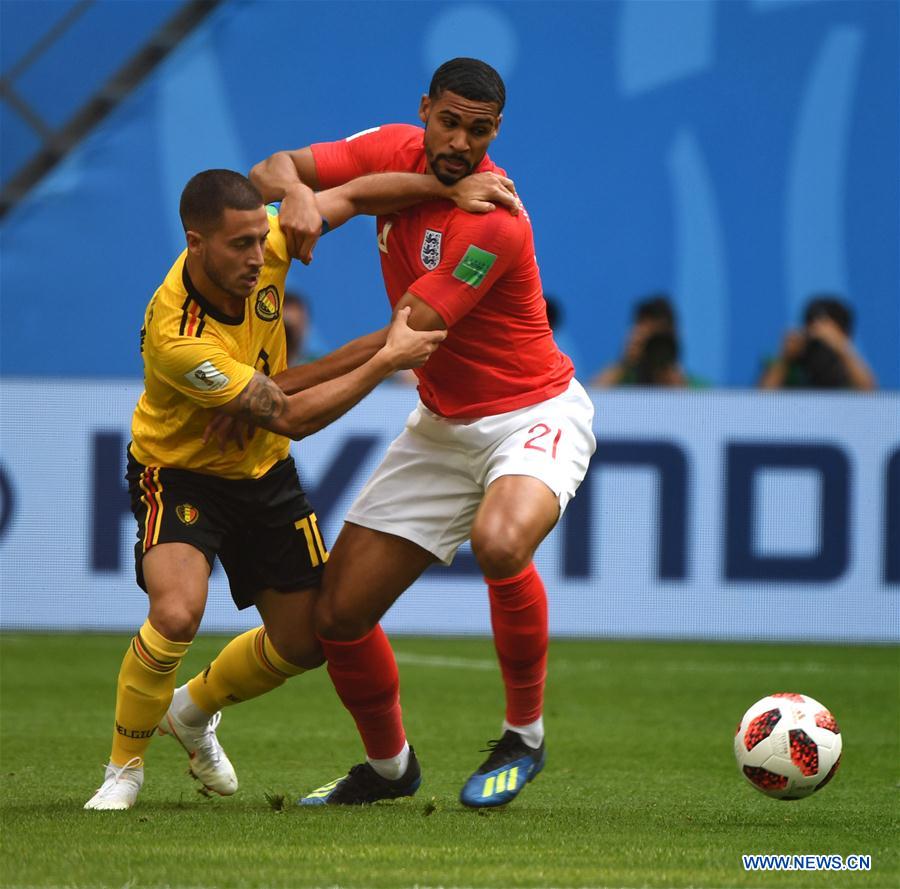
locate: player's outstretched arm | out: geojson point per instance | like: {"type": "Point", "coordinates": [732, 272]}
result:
{"type": "Point", "coordinates": [335, 364]}
{"type": "Point", "coordinates": [290, 177]}
{"type": "Point", "coordinates": [355, 353]}
{"type": "Point", "coordinates": [263, 403]}
{"type": "Point", "coordinates": [421, 315]}
{"type": "Point", "coordinates": [379, 194]}
{"type": "Point", "coordinates": [224, 428]}
{"type": "Point", "coordinates": [280, 172]}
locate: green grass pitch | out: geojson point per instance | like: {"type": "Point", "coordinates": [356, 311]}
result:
{"type": "Point", "coordinates": [640, 789]}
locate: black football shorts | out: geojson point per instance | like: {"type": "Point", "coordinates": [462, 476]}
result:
{"type": "Point", "coordinates": [263, 530]}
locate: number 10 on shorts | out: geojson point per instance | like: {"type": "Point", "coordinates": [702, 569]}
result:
{"type": "Point", "coordinates": [541, 431]}
{"type": "Point", "coordinates": [310, 528]}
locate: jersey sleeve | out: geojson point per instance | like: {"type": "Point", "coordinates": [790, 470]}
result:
{"type": "Point", "coordinates": [199, 369]}
{"type": "Point", "coordinates": [369, 151]}
{"type": "Point", "coordinates": [476, 251]}
{"type": "Point", "coordinates": [276, 245]}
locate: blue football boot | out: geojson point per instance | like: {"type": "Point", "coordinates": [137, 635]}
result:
{"type": "Point", "coordinates": [501, 777]}
{"type": "Point", "coordinates": [363, 785]}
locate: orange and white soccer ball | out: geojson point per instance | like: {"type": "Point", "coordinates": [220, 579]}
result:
{"type": "Point", "coordinates": [788, 745]}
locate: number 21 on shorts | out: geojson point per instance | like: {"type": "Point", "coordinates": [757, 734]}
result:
{"type": "Point", "coordinates": [540, 431]}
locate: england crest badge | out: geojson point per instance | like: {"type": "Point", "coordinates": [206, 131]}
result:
{"type": "Point", "coordinates": [431, 249]}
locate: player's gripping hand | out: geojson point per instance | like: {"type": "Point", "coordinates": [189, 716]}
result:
{"type": "Point", "coordinates": [225, 429]}
{"type": "Point", "coordinates": [300, 221]}
{"type": "Point", "coordinates": [405, 347]}
{"type": "Point", "coordinates": [483, 192]}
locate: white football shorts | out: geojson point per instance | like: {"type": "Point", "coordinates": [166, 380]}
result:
{"type": "Point", "coordinates": [435, 473]}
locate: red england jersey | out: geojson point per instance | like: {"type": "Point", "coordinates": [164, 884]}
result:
{"type": "Point", "coordinates": [477, 271]}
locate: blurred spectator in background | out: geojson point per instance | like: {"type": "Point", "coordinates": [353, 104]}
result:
{"type": "Point", "coordinates": [295, 314]}
{"type": "Point", "coordinates": [821, 355]}
{"type": "Point", "coordinates": [555, 318]}
{"type": "Point", "coordinates": [652, 351]}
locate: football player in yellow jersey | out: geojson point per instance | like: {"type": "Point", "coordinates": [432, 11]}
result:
{"type": "Point", "coordinates": [213, 339]}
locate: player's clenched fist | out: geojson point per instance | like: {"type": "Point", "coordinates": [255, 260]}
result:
{"type": "Point", "coordinates": [409, 348]}
{"type": "Point", "coordinates": [300, 221]}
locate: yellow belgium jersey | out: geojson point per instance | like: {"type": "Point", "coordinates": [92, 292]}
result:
{"type": "Point", "coordinates": [196, 358]}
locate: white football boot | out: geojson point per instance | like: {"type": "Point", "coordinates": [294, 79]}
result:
{"type": "Point", "coordinates": [120, 786]}
{"type": "Point", "coordinates": [209, 764]}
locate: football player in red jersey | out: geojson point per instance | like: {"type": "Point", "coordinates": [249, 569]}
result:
{"type": "Point", "coordinates": [495, 449]}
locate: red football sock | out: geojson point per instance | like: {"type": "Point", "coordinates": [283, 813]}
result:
{"type": "Point", "coordinates": [365, 677]}
{"type": "Point", "coordinates": [519, 619]}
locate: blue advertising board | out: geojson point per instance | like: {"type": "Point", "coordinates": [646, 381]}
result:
{"type": "Point", "coordinates": [704, 515]}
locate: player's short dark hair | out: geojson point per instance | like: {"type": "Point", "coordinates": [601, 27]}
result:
{"type": "Point", "coordinates": [655, 307]}
{"type": "Point", "coordinates": [471, 79]}
{"type": "Point", "coordinates": [208, 194]}
{"type": "Point", "coordinates": [829, 305]}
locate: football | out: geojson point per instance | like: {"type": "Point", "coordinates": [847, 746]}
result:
{"type": "Point", "coordinates": [788, 745]}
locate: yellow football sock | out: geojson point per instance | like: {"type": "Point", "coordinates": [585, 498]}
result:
{"type": "Point", "coordinates": [246, 668]}
{"type": "Point", "coordinates": [146, 683]}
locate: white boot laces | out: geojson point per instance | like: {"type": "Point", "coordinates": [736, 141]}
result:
{"type": "Point", "coordinates": [112, 778]}
{"type": "Point", "coordinates": [208, 744]}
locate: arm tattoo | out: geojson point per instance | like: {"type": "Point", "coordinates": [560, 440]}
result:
{"type": "Point", "coordinates": [261, 400]}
